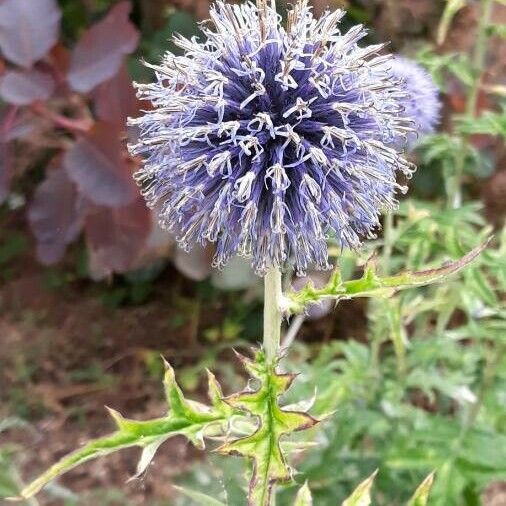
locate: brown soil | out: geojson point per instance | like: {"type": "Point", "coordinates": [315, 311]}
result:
{"type": "Point", "coordinates": [65, 354]}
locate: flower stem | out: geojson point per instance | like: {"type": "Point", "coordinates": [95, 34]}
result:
{"type": "Point", "coordinates": [480, 52]}
{"type": "Point", "coordinates": [272, 313]}
{"type": "Point", "coordinates": [388, 240]}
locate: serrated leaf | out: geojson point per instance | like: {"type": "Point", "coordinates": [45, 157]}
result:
{"type": "Point", "coordinates": [184, 417]}
{"type": "Point", "coordinates": [263, 446]}
{"type": "Point", "coordinates": [200, 498]}
{"type": "Point", "coordinates": [304, 497]}
{"type": "Point", "coordinates": [421, 495]}
{"type": "Point", "coordinates": [362, 494]}
{"type": "Point", "coordinates": [372, 285]}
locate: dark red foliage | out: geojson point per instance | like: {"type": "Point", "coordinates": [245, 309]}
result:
{"type": "Point", "coordinates": [100, 51]}
{"type": "Point", "coordinates": [99, 165]}
{"type": "Point", "coordinates": [56, 216]}
{"type": "Point", "coordinates": [23, 87]}
{"type": "Point", "coordinates": [5, 171]}
{"type": "Point", "coordinates": [77, 101]}
{"type": "Point", "coordinates": [116, 237]}
{"type": "Point", "coordinates": [28, 29]}
{"type": "Point", "coordinates": [115, 100]}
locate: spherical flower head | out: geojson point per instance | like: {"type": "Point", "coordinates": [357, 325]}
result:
{"type": "Point", "coordinates": [268, 139]}
{"type": "Point", "coordinates": [422, 102]}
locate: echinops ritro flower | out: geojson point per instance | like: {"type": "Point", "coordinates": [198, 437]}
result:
{"type": "Point", "coordinates": [422, 103]}
{"type": "Point", "coordinates": [266, 140]}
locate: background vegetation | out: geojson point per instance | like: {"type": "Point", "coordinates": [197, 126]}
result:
{"type": "Point", "coordinates": [91, 292]}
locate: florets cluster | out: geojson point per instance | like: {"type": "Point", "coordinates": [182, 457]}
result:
{"type": "Point", "coordinates": [266, 139]}
{"type": "Point", "coordinates": [422, 103]}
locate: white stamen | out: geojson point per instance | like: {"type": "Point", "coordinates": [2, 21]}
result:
{"type": "Point", "coordinates": [243, 186]}
{"type": "Point", "coordinates": [280, 181]}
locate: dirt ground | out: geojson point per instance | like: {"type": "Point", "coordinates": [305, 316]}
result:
{"type": "Point", "coordinates": [67, 352]}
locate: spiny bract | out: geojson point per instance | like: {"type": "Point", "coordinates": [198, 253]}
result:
{"type": "Point", "coordinates": [267, 139]}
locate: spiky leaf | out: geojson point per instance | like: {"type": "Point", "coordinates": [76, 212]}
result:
{"type": "Point", "coordinates": [187, 418]}
{"type": "Point", "coordinates": [263, 446]}
{"type": "Point", "coordinates": [372, 285]}
{"type": "Point", "coordinates": [362, 494]}
{"type": "Point", "coordinates": [421, 496]}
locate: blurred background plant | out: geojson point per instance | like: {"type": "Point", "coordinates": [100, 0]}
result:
{"type": "Point", "coordinates": [417, 382]}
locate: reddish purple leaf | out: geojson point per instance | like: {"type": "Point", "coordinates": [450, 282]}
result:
{"type": "Point", "coordinates": [100, 51]}
{"type": "Point", "coordinates": [115, 99]}
{"type": "Point", "coordinates": [28, 29]}
{"type": "Point", "coordinates": [99, 164]}
{"type": "Point", "coordinates": [116, 237]}
{"type": "Point", "coordinates": [55, 216]}
{"type": "Point", "coordinates": [25, 87]}
{"type": "Point", "coordinates": [24, 127]}
{"type": "Point", "coordinates": [5, 171]}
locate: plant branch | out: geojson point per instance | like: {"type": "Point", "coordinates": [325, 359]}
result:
{"type": "Point", "coordinates": [9, 120]}
{"type": "Point", "coordinates": [371, 285]}
{"type": "Point", "coordinates": [71, 124]}
{"type": "Point", "coordinates": [272, 313]}
{"type": "Point", "coordinates": [480, 51]}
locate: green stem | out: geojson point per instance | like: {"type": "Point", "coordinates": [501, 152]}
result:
{"type": "Point", "coordinates": [379, 306]}
{"type": "Point", "coordinates": [272, 313]}
{"type": "Point", "coordinates": [480, 51]}
{"type": "Point", "coordinates": [272, 324]}
{"type": "Point", "coordinates": [388, 242]}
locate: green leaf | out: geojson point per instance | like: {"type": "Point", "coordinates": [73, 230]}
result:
{"type": "Point", "coordinates": [187, 418]}
{"type": "Point", "coordinates": [421, 496]}
{"type": "Point", "coordinates": [304, 497]}
{"type": "Point", "coordinates": [496, 30]}
{"type": "Point", "coordinates": [477, 283]}
{"type": "Point", "coordinates": [371, 285]}
{"type": "Point", "coordinates": [274, 423]}
{"type": "Point", "coordinates": [200, 498]}
{"type": "Point", "coordinates": [362, 494]}
{"type": "Point", "coordinates": [489, 123]}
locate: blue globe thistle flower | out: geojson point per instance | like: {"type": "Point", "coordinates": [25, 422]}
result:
{"type": "Point", "coordinates": [422, 103]}
{"type": "Point", "coordinates": [266, 140]}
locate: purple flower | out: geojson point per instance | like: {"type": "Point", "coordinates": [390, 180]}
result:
{"type": "Point", "coordinates": [422, 102]}
{"type": "Point", "coordinates": [266, 139]}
